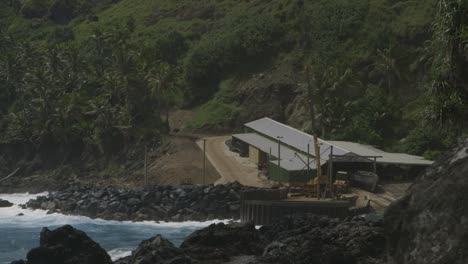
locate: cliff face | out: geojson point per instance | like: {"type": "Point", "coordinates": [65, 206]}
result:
{"type": "Point", "coordinates": [430, 225]}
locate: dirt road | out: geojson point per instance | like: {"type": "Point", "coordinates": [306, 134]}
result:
{"type": "Point", "coordinates": [229, 165]}
{"type": "Point", "coordinates": [391, 193]}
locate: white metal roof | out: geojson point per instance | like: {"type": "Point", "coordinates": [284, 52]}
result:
{"type": "Point", "coordinates": [290, 159]}
{"type": "Point", "coordinates": [293, 137]}
{"type": "Point", "coordinates": [299, 140]}
{"type": "Point", "coordinates": [386, 157]}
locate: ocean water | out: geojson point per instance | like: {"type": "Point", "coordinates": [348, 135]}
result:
{"type": "Point", "coordinates": [18, 234]}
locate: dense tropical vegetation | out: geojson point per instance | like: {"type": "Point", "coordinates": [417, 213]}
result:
{"type": "Point", "coordinates": [99, 94]}
{"type": "Point", "coordinates": [100, 76]}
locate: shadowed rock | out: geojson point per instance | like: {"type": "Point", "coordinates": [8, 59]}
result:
{"type": "Point", "coordinates": [430, 224]}
{"type": "Point", "coordinates": [156, 250]}
{"type": "Point", "coordinates": [67, 245]}
{"type": "Point", "coordinates": [221, 242]}
{"type": "Point", "coordinates": [4, 203]}
{"type": "Point", "coordinates": [322, 240]}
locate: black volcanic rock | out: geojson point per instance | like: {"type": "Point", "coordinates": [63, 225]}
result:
{"type": "Point", "coordinates": [67, 245]}
{"type": "Point", "coordinates": [321, 240]}
{"type": "Point", "coordinates": [221, 242]}
{"type": "Point", "coordinates": [157, 203]}
{"type": "Point", "coordinates": [157, 250]}
{"type": "Point", "coordinates": [430, 224]}
{"type": "Point", "coordinates": [4, 203]}
{"type": "Point", "coordinates": [299, 240]}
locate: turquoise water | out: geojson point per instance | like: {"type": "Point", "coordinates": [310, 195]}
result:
{"type": "Point", "coordinates": [18, 234]}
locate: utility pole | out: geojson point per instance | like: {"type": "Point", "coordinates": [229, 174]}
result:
{"type": "Point", "coordinates": [204, 161]}
{"type": "Point", "coordinates": [317, 163]}
{"type": "Point", "coordinates": [310, 95]}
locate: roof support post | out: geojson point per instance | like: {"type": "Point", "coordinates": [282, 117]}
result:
{"type": "Point", "coordinates": [375, 165]}
{"type": "Point", "coordinates": [308, 163]}
{"type": "Point", "coordinates": [330, 172]}
{"type": "Point", "coordinates": [279, 157]}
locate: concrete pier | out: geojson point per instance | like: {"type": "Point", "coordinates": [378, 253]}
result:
{"type": "Point", "coordinates": [264, 206]}
{"type": "Point", "coordinates": [265, 212]}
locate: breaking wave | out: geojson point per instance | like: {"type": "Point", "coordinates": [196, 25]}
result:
{"type": "Point", "coordinates": [20, 229]}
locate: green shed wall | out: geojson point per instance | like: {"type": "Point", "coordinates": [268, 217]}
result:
{"type": "Point", "coordinates": [273, 173]}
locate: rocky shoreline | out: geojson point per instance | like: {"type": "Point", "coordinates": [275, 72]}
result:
{"type": "Point", "coordinates": [427, 226]}
{"type": "Point", "coordinates": [4, 203]}
{"type": "Point", "coordinates": [309, 239]}
{"type": "Point", "coordinates": [155, 203]}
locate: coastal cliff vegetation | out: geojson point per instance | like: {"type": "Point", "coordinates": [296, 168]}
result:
{"type": "Point", "coordinates": [96, 79]}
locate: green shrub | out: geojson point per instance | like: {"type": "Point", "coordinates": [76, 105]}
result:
{"type": "Point", "coordinates": [62, 11]}
{"type": "Point", "coordinates": [35, 8]}
{"type": "Point", "coordinates": [167, 47]}
{"type": "Point", "coordinates": [371, 119]}
{"type": "Point", "coordinates": [238, 42]}
{"type": "Point", "coordinates": [60, 35]}
{"type": "Point", "coordinates": [361, 129]}
{"type": "Point", "coordinates": [427, 141]}
{"type": "Point", "coordinates": [214, 114]}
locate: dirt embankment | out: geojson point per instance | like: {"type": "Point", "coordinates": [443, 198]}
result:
{"type": "Point", "coordinates": [178, 160]}
{"type": "Point", "coordinates": [182, 162]}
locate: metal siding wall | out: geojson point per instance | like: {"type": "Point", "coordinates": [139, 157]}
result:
{"type": "Point", "coordinates": [273, 173]}
{"type": "Point", "coordinates": [300, 177]}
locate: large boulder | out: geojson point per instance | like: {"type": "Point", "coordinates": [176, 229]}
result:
{"type": "Point", "coordinates": [4, 203]}
{"type": "Point", "coordinates": [157, 250]}
{"type": "Point", "coordinates": [67, 245]}
{"type": "Point", "coordinates": [221, 242]}
{"type": "Point", "coordinates": [321, 240]}
{"type": "Point", "coordinates": [430, 224]}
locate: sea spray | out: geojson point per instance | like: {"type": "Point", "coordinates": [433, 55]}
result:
{"type": "Point", "coordinates": [20, 228]}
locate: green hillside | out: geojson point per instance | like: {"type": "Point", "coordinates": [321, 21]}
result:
{"type": "Point", "coordinates": [100, 74]}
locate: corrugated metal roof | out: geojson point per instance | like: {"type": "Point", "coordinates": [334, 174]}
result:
{"type": "Point", "coordinates": [386, 157]}
{"type": "Point", "coordinates": [289, 157]}
{"type": "Point", "coordinates": [293, 137]}
{"type": "Point", "coordinates": [299, 140]}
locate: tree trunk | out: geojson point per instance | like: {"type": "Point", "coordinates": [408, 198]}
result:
{"type": "Point", "coordinates": [310, 96]}
{"type": "Point", "coordinates": [168, 127]}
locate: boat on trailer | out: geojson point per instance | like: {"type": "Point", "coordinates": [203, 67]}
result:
{"type": "Point", "coordinates": [366, 180]}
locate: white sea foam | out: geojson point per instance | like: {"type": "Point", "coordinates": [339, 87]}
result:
{"type": "Point", "coordinates": [118, 253]}
{"type": "Point", "coordinates": [36, 219]}
{"type": "Point", "coordinates": [33, 218]}
{"type": "Point", "coordinates": [21, 198]}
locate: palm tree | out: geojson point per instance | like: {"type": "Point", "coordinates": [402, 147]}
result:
{"type": "Point", "coordinates": [310, 98]}
{"type": "Point", "coordinates": [161, 80]}
{"type": "Point", "coordinates": [386, 64]}
{"type": "Point", "coordinates": [322, 90]}
{"type": "Point", "coordinates": [122, 69]}
{"type": "Point", "coordinates": [448, 92]}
